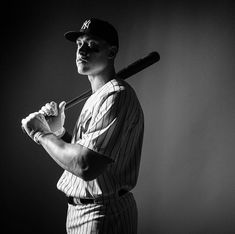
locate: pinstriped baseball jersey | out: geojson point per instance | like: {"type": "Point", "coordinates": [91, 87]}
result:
{"type": "Point", "coordinates": [111, 123]}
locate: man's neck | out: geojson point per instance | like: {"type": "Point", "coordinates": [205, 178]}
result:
{"type": "Point", "coordinates": [98, 80]}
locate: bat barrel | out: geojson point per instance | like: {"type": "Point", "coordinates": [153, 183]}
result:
{"type": "Point", "coordinates": [139, 65]}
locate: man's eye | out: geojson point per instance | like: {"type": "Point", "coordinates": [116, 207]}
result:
{"type": "Point", "coordinates": [93, 45]}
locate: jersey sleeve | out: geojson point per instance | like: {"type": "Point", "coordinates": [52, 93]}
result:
{"type": "Point", "coordinates": [106, 128]}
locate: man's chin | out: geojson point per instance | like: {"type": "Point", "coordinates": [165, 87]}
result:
{"type": "Point", "coordinates": [86, 72]}
{"type": "Point", "coordinates": [83, 71]}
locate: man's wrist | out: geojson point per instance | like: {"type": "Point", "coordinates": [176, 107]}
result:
{"type": "Point", "coordinates": [38, 135]}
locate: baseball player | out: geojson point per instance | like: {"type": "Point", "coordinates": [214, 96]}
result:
{"type": "Point", "coordinates": [101, 158]}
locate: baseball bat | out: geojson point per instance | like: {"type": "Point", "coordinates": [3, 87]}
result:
{"type": "Point", "coordinates": [125, 73]}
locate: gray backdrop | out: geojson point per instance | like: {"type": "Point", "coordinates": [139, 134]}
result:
{"type": "Point", "coordinates": [186, 182]}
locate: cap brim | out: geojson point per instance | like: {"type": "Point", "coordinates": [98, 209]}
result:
{"type": "Point", "coordinates": [73, 35]}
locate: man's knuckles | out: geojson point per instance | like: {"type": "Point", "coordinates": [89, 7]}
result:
{"type": "Point", "coordinates": [49, 109]}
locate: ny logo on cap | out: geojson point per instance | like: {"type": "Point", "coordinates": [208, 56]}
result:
{"type": "Point", "coordinates": [86, 24]}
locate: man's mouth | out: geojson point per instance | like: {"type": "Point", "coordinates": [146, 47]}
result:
{"type": "Point", "coordinates": [82, 60]}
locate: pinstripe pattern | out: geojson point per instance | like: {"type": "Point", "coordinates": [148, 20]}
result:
{"type": "Point", "coordinates": [111, 123]}
{"type": "Point", "coordinates": [118, 217]}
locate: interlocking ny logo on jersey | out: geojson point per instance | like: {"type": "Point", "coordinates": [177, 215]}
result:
{"type": "Point", "coordinates": [86, 24]}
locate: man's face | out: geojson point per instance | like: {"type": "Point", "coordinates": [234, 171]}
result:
{"type": "Point", "coordinates": [92, 55]}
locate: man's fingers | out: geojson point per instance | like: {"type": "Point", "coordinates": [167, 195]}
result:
{"type": "Point", "coordinates": [50, 109]}
{"type": "Point", "coordinates": [41, 117]}
{"type": "Point", "coordinates": [41, 112]}
{"type": "Point", "coordinates": [28, 118]}
{"type": "Point", "coordinates": [62, 106]}
{"type": "Point", "coordinates": [45, 111]}
{"type": "Point", "coordinates": [23, 122]}
{"type": "Point", "coordinates": [32, 115]}
{"type": "Point", "coordinates": [54, 108]}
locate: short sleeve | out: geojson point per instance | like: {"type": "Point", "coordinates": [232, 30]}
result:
{"type": "Point", "coordinates": [106, 127]}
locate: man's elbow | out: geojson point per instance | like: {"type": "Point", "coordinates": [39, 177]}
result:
{"type": "Point", "coordinates": [88, 175]}
{"type": "Point", "coordinates": [90, 165]}
{"type": "Point", "coordinates": [91, 171]}
{"type": "Point", "coordinates": [85, 171]}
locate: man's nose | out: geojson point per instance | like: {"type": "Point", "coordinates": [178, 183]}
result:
{"type": "Point", "coordinates": [83, 50]}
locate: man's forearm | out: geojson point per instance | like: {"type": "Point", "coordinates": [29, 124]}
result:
{"type": "Point", "coordinates": [68, 156]}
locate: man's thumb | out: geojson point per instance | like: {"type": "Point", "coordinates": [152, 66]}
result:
{"type": "Point", "coordinates": [62, 106]}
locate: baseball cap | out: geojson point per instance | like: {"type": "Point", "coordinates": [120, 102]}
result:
{"type": "Point", "coordinates": [98, 28]}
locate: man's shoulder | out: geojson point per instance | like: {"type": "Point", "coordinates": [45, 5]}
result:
{"type": "Point", "coordinates": [118, 85]}
{"type": "Point", "coordinates": [115, 91]}
{"type": "Point", "coordinates": [123, 92]}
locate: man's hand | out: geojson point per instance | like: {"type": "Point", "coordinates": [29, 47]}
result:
{"type": "Point", "coordinates": [34, 123]}
{"type": "Point", "coordinates": [55, 116]}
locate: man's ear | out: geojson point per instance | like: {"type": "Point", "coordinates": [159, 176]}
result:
{"type": "Point", "coordinates": [112, 52]}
